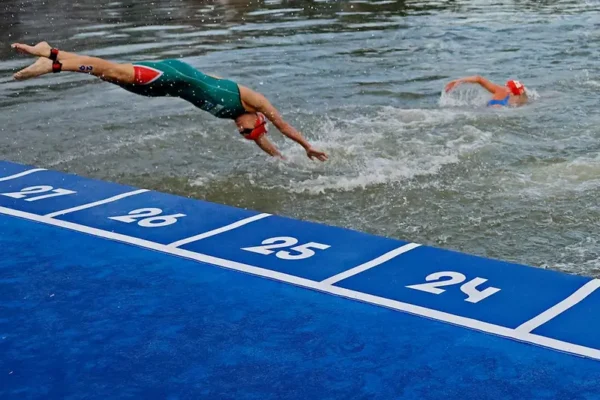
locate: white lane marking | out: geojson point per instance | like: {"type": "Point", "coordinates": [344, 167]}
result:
{"type": "Point", "coordinates": [96, 203]}
{"type": "Point", "coordinates": [20, 174]}
{"type": "Point", "coordinates": [561, 307]}
{"type": "Point", "coordinates": [319, 286]}
{"type": "Point", "coordinates": [370, 264]}
{"type": "Point", "coordinates": [467, 322]}
{"type": "Point", "coordinates": [217, 231]}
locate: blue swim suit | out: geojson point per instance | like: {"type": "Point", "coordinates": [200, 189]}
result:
{"type": "Point", "coordinates": [503, 102]}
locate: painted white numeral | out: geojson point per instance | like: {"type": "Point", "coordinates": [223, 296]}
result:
{"type": "Point", "coordinates": [28, 191]}
{"type": "Point", "coordinates": [303, 250]}
{"type": "Point", "coordinates": [272, 243]}
{"type": "Point", "coordinates": [148, 218]}
{"type": "Point", "coordinates": [469, 288]}
{"type": "Point", "coordinates": [475, 296]}
{"type": "Point", "coordinates": [432, 287]}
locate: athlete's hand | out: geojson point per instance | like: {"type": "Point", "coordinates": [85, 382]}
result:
{"type": "Point", "coordinates": [452, 84]}
{"type": "Point", "coordinates": [312, 153]}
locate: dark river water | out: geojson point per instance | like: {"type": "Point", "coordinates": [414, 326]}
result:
{"type": "Point", "coordinates": [362, 80]}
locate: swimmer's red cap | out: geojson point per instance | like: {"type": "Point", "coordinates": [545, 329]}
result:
{"type": "Point", "coordinates": [260, 127]}
{"type": "Point", "coordinates": [515, 87]}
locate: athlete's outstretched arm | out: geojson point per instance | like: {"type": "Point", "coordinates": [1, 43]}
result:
{"type": "Point", "coordinates": [486, 84]}
{"type": "Point", "coordinates": [268, 147]}
{"type": "Point", "coordinates": [258, 102]}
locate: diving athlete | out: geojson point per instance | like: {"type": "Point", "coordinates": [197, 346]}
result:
{"type": "Point", "coordinates": [512, 93]}
{"type": "Point", "coordinates": [220, 97]}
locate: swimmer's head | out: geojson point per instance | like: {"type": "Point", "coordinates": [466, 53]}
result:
{"type": "Point", "coordinates": [252, 125]}
{"type": "Point", "coordinates": [518, 92]}
{"type": "Point", "coordinates": [515, 87]}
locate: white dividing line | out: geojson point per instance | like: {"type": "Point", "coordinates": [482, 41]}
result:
{"type": "Point", "coordinates": [319, 286]}
{"type": "Point", "coordinates": [370, 264]}
{"type": "Point", "coordinates": [20, 174]}
{"type": "Point", "coordinates": [561, 307]}
{"type": "Point", "coordinates": [96, 203]}
{"type": "Point", "coordinates": [217, 231]}
{"type": "Point", "coordinates": [467, 322]}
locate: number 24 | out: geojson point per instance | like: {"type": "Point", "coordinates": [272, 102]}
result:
{"type": "Point", "coordinates": [469, 288]}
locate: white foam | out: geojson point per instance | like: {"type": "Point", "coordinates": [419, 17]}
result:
{"type": "Point", "coordinates": [85, 35]}
{"type": "Point", "coordinates": [541, 180]}
{"type": "Point", "coordinates": [464, 96]}
{"type": "Point", "coordinates": [275, 11]}
{"type": "Point", "coordinates": [585, 256]}
{"type": "Point", "coordinates": [532, 94]}
{"type": "Point", "coordinates": [387, 148]}
{"type": "Point", "coordinates": [203, 180]}
{"type": "Point", "coordinates": [583, 78]}
{"type": "Point", "coordinates": [593, 83]}
{"type": "Point", "coordinates": [101, 26]}
{"type": "Point", "coordinates": [150, 28]}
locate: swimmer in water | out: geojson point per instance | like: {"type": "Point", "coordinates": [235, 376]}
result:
{"type": "Point", "coordinates": [512, 93]}
{"type": "Point", "coordinates": [220, 97]}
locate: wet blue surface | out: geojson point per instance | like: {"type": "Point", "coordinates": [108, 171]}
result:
{"type": "Point", "coordinates": [84, 317]}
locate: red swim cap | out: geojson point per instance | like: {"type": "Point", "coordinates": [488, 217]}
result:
{"type": "Point", "coordinates": [515, 87]}
{"type": "Point", "coordinates": [260, 128]}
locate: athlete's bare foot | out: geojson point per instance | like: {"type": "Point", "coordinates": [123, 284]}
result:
{"type": "Point", "coordinates": [42, 49]}
{"type": "Point", "coordinates": [40, 67]}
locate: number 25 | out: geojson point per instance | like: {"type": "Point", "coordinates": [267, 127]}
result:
{"type": "Point", "coordinates": [304, 250]}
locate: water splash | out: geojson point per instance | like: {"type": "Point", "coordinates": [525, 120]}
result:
{"type": "Point", "coordinates": [464, 96]}
{"type": "Point", "coordinates": [390, 146]}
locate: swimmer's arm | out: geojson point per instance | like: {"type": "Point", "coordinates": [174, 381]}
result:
{"type": "Point", "coordinates": [268, 147]}
{"type": "Point", "coordinates": [480, 80]}
{"type": "Point", "coordinates": [261, 104]}
{"type": "Point", "coordinates": [265, 107]}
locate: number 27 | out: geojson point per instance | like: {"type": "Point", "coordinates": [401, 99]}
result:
{"type": "Point", "coordinates": [28, 191]}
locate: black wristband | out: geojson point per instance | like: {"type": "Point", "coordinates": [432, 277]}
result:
{"type": "Point", "coordinates": [53, 54]}
{"type": "Point", "coordinates": [56, 66]}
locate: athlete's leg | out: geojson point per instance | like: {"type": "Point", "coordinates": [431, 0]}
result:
{"type": "Point", "coordinates": [107, 70]}
{"type": "Point", "coordinates": [42, 49]}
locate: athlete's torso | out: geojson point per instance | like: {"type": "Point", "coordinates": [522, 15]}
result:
{"type": "Point", "coordinates": [220, 97]}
